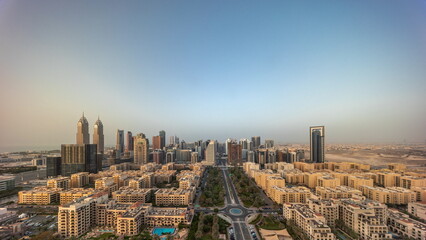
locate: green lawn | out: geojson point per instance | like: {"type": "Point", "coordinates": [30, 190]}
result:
{"type": "Point", "coordinates": [213, 194]}
{"type": "Point", "coordinates": [270, 223]}
{"type": "Point", "coordinates": [247, 190]}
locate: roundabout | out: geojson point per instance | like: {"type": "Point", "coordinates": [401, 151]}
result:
{"type": "Point", "coordinates": [236, 211]}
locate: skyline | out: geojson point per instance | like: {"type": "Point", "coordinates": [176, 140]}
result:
{"type": "Point", "coordinates": [212, 70]}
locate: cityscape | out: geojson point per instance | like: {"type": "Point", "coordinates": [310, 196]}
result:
{"type": "Point", "coordinates": [213, 120]}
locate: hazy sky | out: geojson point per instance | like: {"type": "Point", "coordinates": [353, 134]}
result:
{"type": "Point", "coordinates": [213, 69]}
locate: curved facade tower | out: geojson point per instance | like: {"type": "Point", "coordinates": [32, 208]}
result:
{"type": "Point", "coordinates": [83, 131]}
{"type": "Point", "coordinates": [98, 135]}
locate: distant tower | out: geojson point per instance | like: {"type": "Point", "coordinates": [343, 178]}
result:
{"type": "Point", "coordinates": [129, 141]}
{"type": "Point", "coordinates": [317, 144]}
{"type": "Point", "coordinates": [83, 131]}
{"type": "Point", "coordinates": [163, 138]}
{"type": "Point", "coordinates": [98, 135]}
{"type": "Point", "coordinates": [256, 141]}
{"type": "Point", "coordinates": [120, 142]}
{"type": "Point", "coordinates": [140, 149]}
{"type": "Point", "coordinates": [211, 152]}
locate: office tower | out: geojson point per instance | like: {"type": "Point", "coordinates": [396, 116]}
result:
{"type": "Point", "coordinates": [211, 152]}
{"type": "Point", "coordinates": [317, 144]}
{"type": "Point", "coordinates": [98, 135]}
{"type": "Point", "coordinates": [163, 138]}
{"type": "Point", "coordinates": [170, 157]}
{"type": "Point", "coordinates": [156, 143]}
{"type": "Point", "coordinates": [158, 156]}
{"type": "Point", "coordinates": [262, 156]}
{"type": "Point", "coordinates": [226, 145]}
{"type": "Point", "coordinates": [244, 143]}
{"type": "Point", "coordinates": [183, 156]}
{"type": "Point", "coordinates": [251, 156]}
{"type": "Point", "coordinates": [256, 142]}
{"type": "Point", "coordinates": [129, 142]}
{"type": "Point", "coordinates": [53, 166]}
{"type": "Point", "coordinates": [79, 158]}
{"type": "Point", "coordinates": [269, 143]}
{"type": "Point", "coordinates": [83, 131]}
{"type": "Point", "coordinates": [174, 140]}
{"type": "Point", "coordinates": [120, 142]}
{"type": "Point", "coordinates": [234, 153]}
{"type": "Point", "coordinates": [194, 157]}
{"type": "Point", "coordinates": [140, 149]}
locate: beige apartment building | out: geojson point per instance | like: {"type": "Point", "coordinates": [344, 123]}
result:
{"type": "Point", "coordinates": [77, 218]}
{"type": "Point", "coordinates": [174, 196]}
{"type": "Point", "coordinates": [107, 184]}
{"type": "Point", "coordinates": [59, 182]}
{"type": "Point", "coordinates": [328, 181]}
{"type": "Point", "coordinates": [74, 194]}
{"type": "Point", "coordinates": [420, 193]}
{"type": "Point", "coordinates": [397, 167]}
{"type": "Point", "coordinates": [290, 195]}
{"type": "Point", "coordinates": [130, 223]}
{"type": "Point", "coordinates": [337, 192]}
{"type": "Point", "coordinates": [129, 195]}
{"type": "Point", "coordinates": [145, 181]}
{"type": "Point", "coordinates": [405, 226]}
{"type": "Point", "coordinates": [79, 180]}
{"type": "Point", "coordinates": [312, 224]}
{"type": "Point", "coordinates": [358, 181]}
{"type": "Point", "coordinates": [388, 179]}
{"type": "Point", "coordinates": [327, 208]}
{"type": "Point", "coordinates": [412, 181]}
{"type": "Point", "coordinates": [39, 196]}
{"type": "Point", "coordinates": [367, 218]}
{"type": "Point", "coordinates": [155, 217]}
{"type": "Point", "coordinates": [389, 195]}
{"type": "Point", "coordinates": [417, 209]}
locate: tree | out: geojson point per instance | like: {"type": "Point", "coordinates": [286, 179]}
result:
{"type": "Point", "coordinates": [199, 232]}
{"type": "Point", "coordinates": [215, 227]}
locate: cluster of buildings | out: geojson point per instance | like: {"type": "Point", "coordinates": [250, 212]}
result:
{"type": "Point", "coordinates": [125, 198]}
{"type": "Point", "coordinates": [315, 195]}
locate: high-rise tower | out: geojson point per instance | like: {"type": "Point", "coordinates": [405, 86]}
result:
{"type": "Point", "coordinates": [140, 149]}
{"type": "Point", "coordinates": [211, 152]}
{"type": "Point", "coordinates": [83, 131]}
{"type": "Point", "coordinates": [98, 135]}
{"type": "Point", "coordinates": [129, 141]}
{"type": "Point", "coordinates": [317, 144]}
{"type": "Point", "coordinates": [163, 138]}
{"type": "Point", "coordinates": [119, 147]}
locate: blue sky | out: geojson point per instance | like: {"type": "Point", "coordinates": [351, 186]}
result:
{"type": "Point", "coordinates": [213, 69]}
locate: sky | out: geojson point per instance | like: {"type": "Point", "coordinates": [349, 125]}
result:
{"type": "Point", "coordinates": [213, 69]}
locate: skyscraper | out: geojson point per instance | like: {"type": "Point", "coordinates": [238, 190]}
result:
{"type": "Point", "coordinates": [53, 166]}
{"type": "Point", "coordinates": [120, 142]}
{"type": "Point", "coordinates": [269, 143]}
{"type": "Point", "coordinates": [256, 142]}
{"type": "Point", "coordinates": [129, 141]}
{"type": "Point", "coordinates": [79, 158]}
{"type": "Point", "coordinates": [163, 138]}
{"type": "Point", "coordinates": [211, 151]}
{"type": "Point", "coordinates": [234, 153]}
{"type": "Point", "coordinates": [83, 131]}
{"type": "Point", "coordinates": [317, 144]}
{"type": "Point", "coordinates": [157, 142]}
{"type": "Point", "coordinates": [98, 135]}
{"type": "Point", "coordinates": [140, 149]}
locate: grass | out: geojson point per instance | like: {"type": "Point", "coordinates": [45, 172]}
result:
{"type": "Point", "coordinates": [270, 223]}
{"type": "Point", "coordinates": [206, 226]}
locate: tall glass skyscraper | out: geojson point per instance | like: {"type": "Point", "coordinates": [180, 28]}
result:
{"type": "Point", "coordinates": [317, 144]}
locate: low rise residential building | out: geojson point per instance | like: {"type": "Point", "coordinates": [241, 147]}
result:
{"type": "Point", "coordinates": [358, 181]}
{"type": "Point", "coordinates": [337, 192]}
{"type": "Point", "coordinates": [74, 194]}
{"type": "Point", "coordinates": [412, 181]}
{"type": "Point", "coordinates": [79, 180]}
{"type": "Point", "coordinates": [389, 195]}
{"type": "Point", "coordinates": [417, 209]}
{"type": "Point", "coordinates": [420, 193]}
{"type": "Point", "coordinates": [129, 195]}
{"type": "Point", "coordinates": [39, 196]}
{"type": "Point", "coordinates": [405, 226]}
{"type": "Point", "coordinates": [312, 224]}
{"type": "Point", "coordinates": [327, 181]}
{"type": "Point", "coordinates": [59, 182]}
{"type": "Point", "coordinates": [174, 197]}
{"type": "Point", "coordinates": [106, 184]}
{"type": "Point", "coordinates": [290, 195]}
{"type": "Point", "coordinates": [130, 223]}
{"type": "Point", "coordinates": [156, 217]}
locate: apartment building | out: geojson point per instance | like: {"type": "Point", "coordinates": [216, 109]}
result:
{"type": "Point", "coordinates": [358, 181]}
{"type": "Point", "coordinates": [129, 195]}
{"type": "Point", "coordinates": [77, 218]}
{"type": "Point", "coordinates": [59, 182]}
{"type": "Point", "coordinates": [155, 217]}
{"type": "Point", "coordinates": [389, 195]}
{"type": "Point", "coordinates": [329, 209]}
{"type": "Point", "coordinates": [74, 194]}
{"type": "Point", "coordinates": [405, 226]}
{"type": "Point", "coordinates": [290, 195]}
{"type": "Point", "coordinates": [174, 196]}
{"type": "Point", "coordinates": [420, 193]}
{"type": "Point", "coordinates": [367, 218]}
{"type": "Point", "coordinates": [79, 180]}
{"type": "Point", "coordinates": [39, 196]}
{"type": "Point", "coordinates": [107, 184]}
{"type": "Point", "coordinates": [412, 181]}
{"type": "Point", "coordinates": [312, 224]}
{"type": "Point", "coordinates": [417, 209]}
{"type": "Point", "coordinates": [145, 181]}
{"type": "Point", "coordinates": [388, 179]}
{"type": "Point", "coordinates": [337, 192]}
{"type": "Point", "coordinates": [328, 181]}
{"type": "Point", "coordinates": [130, 223]}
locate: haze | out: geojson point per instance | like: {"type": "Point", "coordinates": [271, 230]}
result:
{"type": "Point", "coordinates": [213, 69]}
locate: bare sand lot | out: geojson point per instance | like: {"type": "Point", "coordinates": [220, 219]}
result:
{"type": "Point", "coordinates": [377, 159]}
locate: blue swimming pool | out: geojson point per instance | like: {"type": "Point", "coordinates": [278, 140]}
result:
{"type": "Point", "coordinates": [160, 231]}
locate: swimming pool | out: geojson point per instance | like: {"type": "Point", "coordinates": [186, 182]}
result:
{"type": "Point", "coordinates": [160, 231]}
